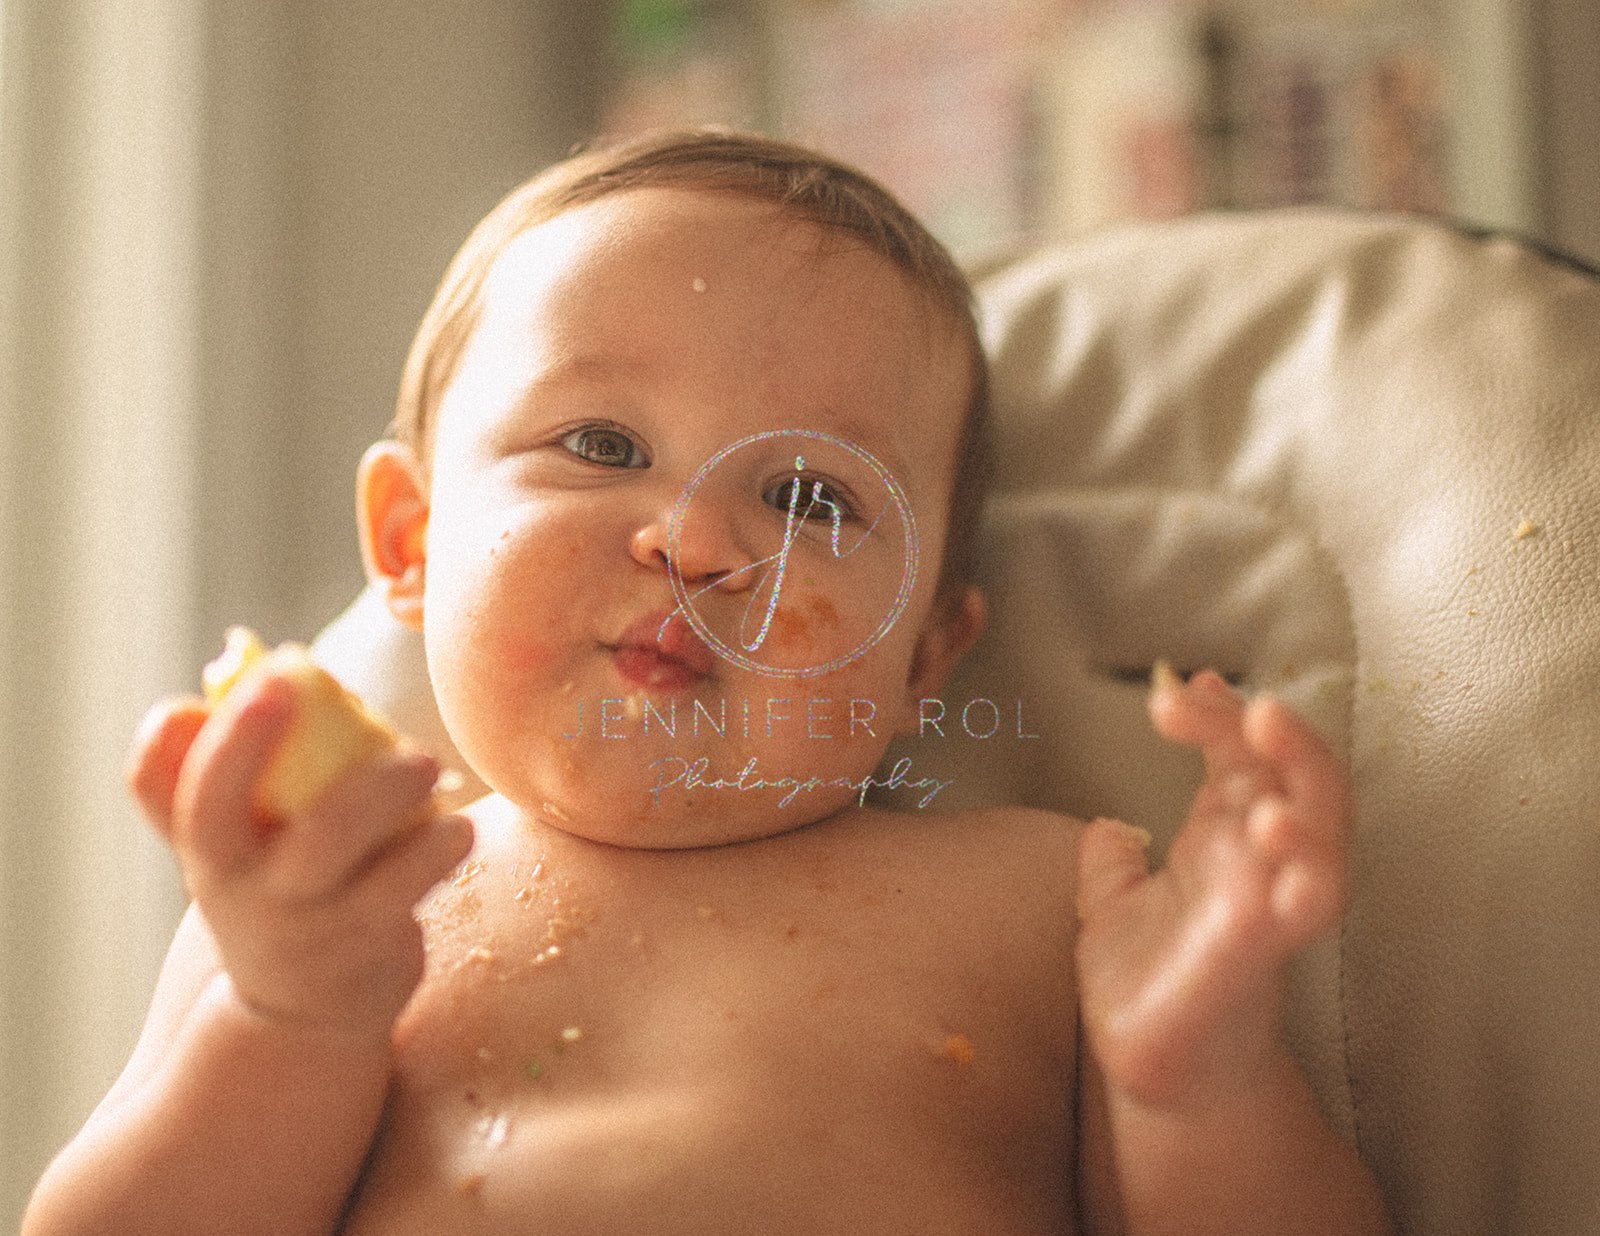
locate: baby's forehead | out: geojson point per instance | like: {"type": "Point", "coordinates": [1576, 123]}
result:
{"type": "Point", "coordinates": [603, 278]}
{"type": "Point", "coordinates": [727, 259]}
{"type": "Point", "coordinates": [665, 227]}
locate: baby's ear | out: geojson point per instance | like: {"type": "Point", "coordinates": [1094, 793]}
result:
{"type": "Point", "coordinates": [392, 510]}
{"type": "Point", "coordinates": [950, 630]}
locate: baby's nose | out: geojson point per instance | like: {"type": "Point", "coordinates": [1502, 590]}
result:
{"type": "Point", "coordinates": [708, 549]}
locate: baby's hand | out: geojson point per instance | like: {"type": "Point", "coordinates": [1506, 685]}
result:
{"type": "Point", "coordinates": [1182, 971]}
{"type": "Point", "coordinates": [311, 913]}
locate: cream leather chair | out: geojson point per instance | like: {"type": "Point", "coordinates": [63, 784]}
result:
{"type": "Point", "coordinates": [1355, 460]}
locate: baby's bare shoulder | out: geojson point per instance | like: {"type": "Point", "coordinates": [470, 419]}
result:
{"type": "Point", "coordinates": [976, 887]}
{"type": "Point", "coordinates": [1011, 829]}
{"type": "Point", "coordinates": [1012, 854]}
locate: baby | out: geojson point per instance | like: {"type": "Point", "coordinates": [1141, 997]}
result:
{"type": "Point", "coordinates": [682, 496]}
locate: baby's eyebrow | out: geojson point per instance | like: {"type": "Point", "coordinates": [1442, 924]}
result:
{"type": "Point", "coordinates": [591, 374]}
{"type": "Point", "coordinates": [592, 368]}
{"type": "Point", "coordinates": [866, 437]}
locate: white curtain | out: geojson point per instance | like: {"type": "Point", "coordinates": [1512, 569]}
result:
{"type": "Point", "coordinates": [220, 221]}
{"type": "Point", "coordinates": [98, 171]}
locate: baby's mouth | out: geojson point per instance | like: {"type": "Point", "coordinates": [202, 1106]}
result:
{"type": "Point", "coordinates": [655, 652]}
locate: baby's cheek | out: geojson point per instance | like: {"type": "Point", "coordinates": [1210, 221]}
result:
{"type": "Point", "coordinates": [500, 602]}
{"type": "Point", "coordinates": [513, 653]}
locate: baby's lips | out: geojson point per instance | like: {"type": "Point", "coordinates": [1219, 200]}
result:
{"type": "Point", "coordinates": [670, 634]}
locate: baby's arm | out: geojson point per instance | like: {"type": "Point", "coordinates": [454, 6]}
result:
{"type": "Point", "coordinates": [256, 1088]}
{"type": "Point", "coordinates": [1196, 1119]}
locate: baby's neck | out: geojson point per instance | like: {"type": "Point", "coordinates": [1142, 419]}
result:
{"type": "Point", "coordinates": [500, 822]}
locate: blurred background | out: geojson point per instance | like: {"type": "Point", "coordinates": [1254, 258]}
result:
{"type": "Point", "coordinates": [220, 221]}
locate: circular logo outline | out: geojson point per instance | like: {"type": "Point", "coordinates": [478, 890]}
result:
{"type": "Point", "coordinates": [680, 590]}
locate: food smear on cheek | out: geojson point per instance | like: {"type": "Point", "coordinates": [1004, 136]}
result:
{"type": "Point", "coordinates": [823, 610]}
{"type": "Point", "coordinates": [789, 629]}
{"type": "Point", "coordinates": [797, 624]}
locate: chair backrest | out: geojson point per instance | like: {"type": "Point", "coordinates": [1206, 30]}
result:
{"type": "Point", "coordinates": [1355, 460]}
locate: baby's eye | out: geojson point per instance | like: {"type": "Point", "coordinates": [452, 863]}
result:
{"type": "Point", "coordinates": [602, 444]}
{"type": "Point", "coordinates": [809, 497]}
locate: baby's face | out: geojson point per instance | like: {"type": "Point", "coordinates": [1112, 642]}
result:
{"type": "Point", "coordinates": [582, 459]}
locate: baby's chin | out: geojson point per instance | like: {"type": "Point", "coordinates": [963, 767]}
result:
{"type": "Point", "coordinates": [689, 802]}
{"type": "Point", "coordinates": [659, 791]}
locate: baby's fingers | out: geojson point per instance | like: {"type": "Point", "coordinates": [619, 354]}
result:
{"type": "Point", "coordinates": [1204, 712]}
{"type": "Point", "coordinates": [1313, 779]}
{"type": "Point", "coordinates": [1111, 860]}
{"type": "Point", "coordinates": [215, 817]}
{"type": "Point", "coordinates": [1304, 832]}
{"type": "Point", "coordinates": [329, 844]}
{"type": "Point", "coordinates": [413, 862]}
{"type": "Point", "coordinates": [156, 757]}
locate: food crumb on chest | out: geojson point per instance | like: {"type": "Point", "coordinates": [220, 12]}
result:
{"type": "Point", "coordinates": [491, 1132]}
{"type": "Point", "coordinates": [957, 1048]}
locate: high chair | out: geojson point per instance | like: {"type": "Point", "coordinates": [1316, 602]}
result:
{"type": "Point", "coordinates": [1352, 459]}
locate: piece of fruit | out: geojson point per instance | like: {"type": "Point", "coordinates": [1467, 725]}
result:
{"type": "Point", "coordinates": [332, 729]}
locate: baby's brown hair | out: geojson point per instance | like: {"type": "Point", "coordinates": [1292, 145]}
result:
{"type": "Point", "coordinates": [815, 188]}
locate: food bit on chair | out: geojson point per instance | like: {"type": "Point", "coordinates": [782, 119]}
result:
{"type": "Point", "coordinates": [572, 1034]}
{"type": "Point", "coordinates": [534, 1070]}
{"type": "Point", "coordinates": [958, 1049]}
{"type": "Point", "coordinates": [1526, 529]}
{"type": "Point", "coordinates": [472, 1182]}
{"type": "Point", "coordinates": [699, 285]}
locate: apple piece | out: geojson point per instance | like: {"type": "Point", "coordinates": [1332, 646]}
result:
{"type": "Point", "coordinates": [332, 730]}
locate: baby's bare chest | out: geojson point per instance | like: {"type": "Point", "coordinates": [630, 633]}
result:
{"type": "Point", "coordinates": [621, 1035]}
